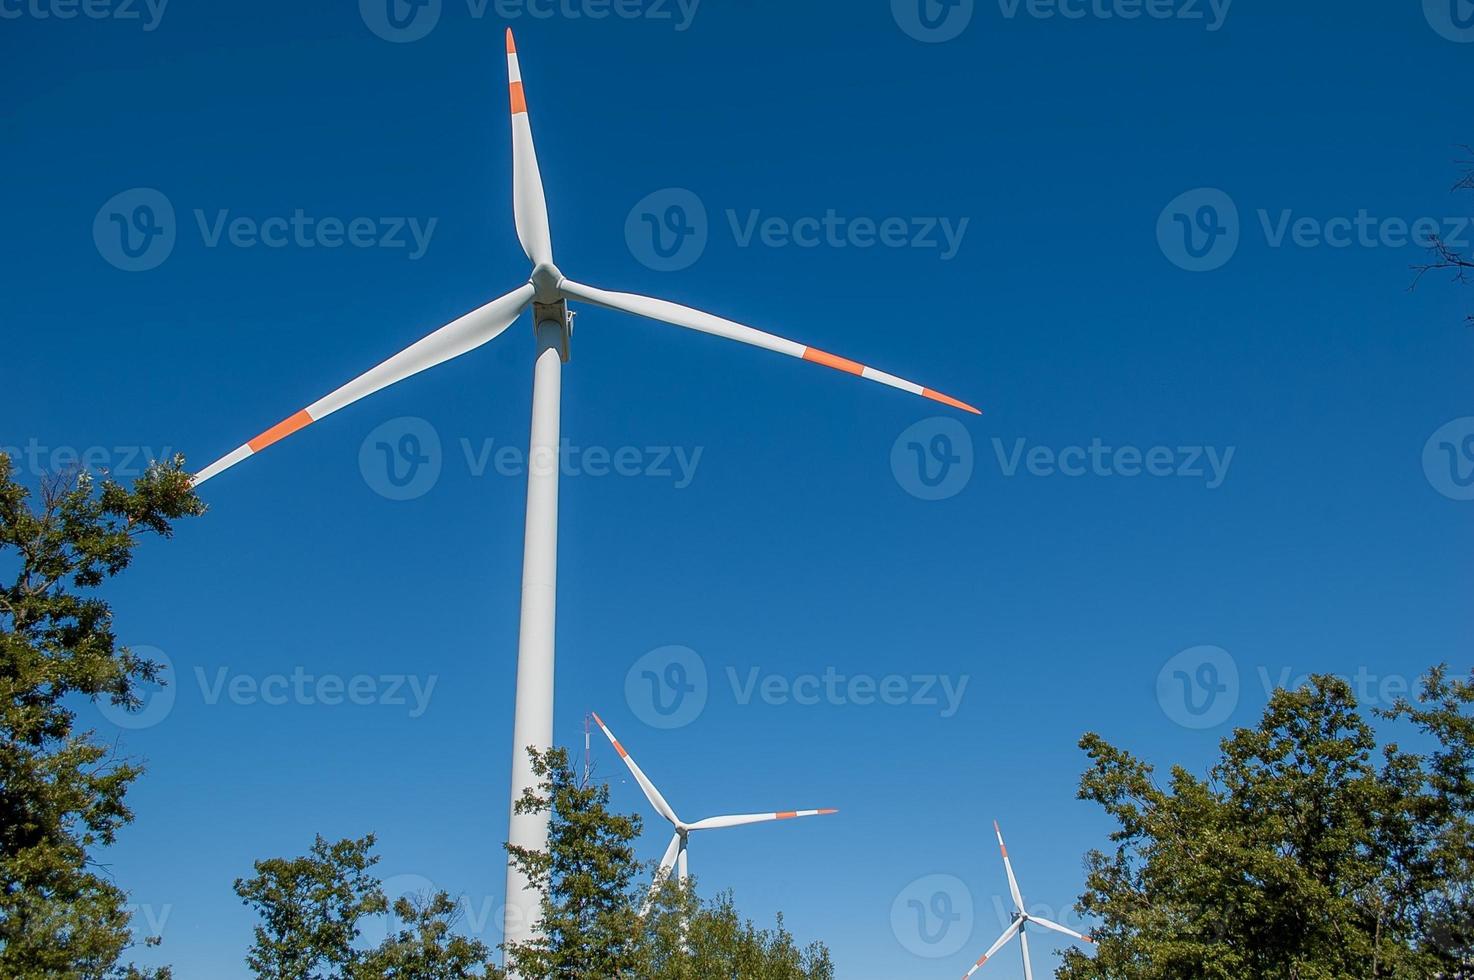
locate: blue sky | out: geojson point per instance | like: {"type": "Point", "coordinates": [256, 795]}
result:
{"type": "Point", "coordinates": [1332, 533]}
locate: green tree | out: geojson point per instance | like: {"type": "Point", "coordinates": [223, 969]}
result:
{"type": "Point", "coordinates": [690, 939]}
{"type": "Point", "coordinates": [591, 927]}
{"type": "Point", "coordinates": [313, 909]}
{"type": "Point", "coordinates": [1441, 822]}
{"type": "Point", "coordinates": [426, 948]}
{"type": "Point", "coordinates": [310, 909]}
{"type": "Point", "coordinates": [62, 790]}
{"type": "Point", "coordinates": [1307, 853]}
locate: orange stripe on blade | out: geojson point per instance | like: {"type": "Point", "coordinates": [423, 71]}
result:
{"type": "Point", "coordinates": [280, 431]}
{"type": "Point", "coordinates": [830, 360]}
{"type": "Point", "coordinates": [511, 45]}
{"type": "Point", "coordinates": [937, 396]}
{"type": "Point", "coordinates": [519, 100]}
{"type": "Point", "coordinates": [824, 813]}
{"type": "Point", "coordinates": [785, 815]}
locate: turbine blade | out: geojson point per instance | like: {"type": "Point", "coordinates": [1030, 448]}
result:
{"type": "Point", "coordinates": [1059, 928]}
{"type": "Point", "coordinates": [651, 793]}
{"type": "Point", "coordinates": [1008, 934]}
{"type": "Point", "coordinates": [667, 862]}
{"type": "Point", "coordinates": [452, 340]}
{"type": "Point", "coordinates": [1023, 941]}
{"type": "Point", "coordinates": [685, 316]}
{"type": "Point", "coordinates": [1018, 899]}
{"type": "Point", "coordinates": [739, 819]}
{"type": "Point", "coordinates": [529, 206]}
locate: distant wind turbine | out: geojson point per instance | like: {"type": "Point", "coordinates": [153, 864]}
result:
{"type": "Point", "coordinates": [675, 854]}
{"type": "Point", "coordinates": [1021, 920]}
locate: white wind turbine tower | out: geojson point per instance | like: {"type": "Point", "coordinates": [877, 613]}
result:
{"type": "Point", "coordinates": [675, 853]}
{"type": "Point", "coordinates": [1021, 920]}
{"type": "Point", "coordinates": [547, 291]}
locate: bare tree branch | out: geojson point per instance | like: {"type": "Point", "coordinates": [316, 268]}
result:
{"type": "Point", "coordinates": [1444, 255]}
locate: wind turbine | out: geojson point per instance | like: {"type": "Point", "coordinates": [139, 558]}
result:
{"type": "Point", "coordinates": [1021, 920]}
{"type": "Point", "coordinates": [675, 853]}
{"type": "Point", "coordinates": [548, 292]}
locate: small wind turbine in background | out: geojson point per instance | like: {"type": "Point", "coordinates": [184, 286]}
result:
{"type": "Point", "coordinates": [675, 854]}
{"type": "Point", "coordinates": [1021, 920]}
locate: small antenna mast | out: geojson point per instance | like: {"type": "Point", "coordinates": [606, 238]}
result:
{"type": "Point", "coordinates": [587, 753]}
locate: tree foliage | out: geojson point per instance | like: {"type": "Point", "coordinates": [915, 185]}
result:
{"type": "Point", "coordinates": [62, 790]}
{"type": "Point", "coordinates": [313, 909]}
{"type": "Point", "coordinates": [691, 939]}
{"type": "Point", "coordinates": [591, 928]}
{"type": "Point", "coordinates": [1306, 854]}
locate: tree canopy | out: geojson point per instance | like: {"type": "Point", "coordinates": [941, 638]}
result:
{"type": "Point", "coordinates": [62, 790]}
{"type": "Point", "coordinates": [1307, 853]}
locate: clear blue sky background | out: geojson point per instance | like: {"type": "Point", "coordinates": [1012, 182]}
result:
{"type": "Point", "coordinates": [795, 548]}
